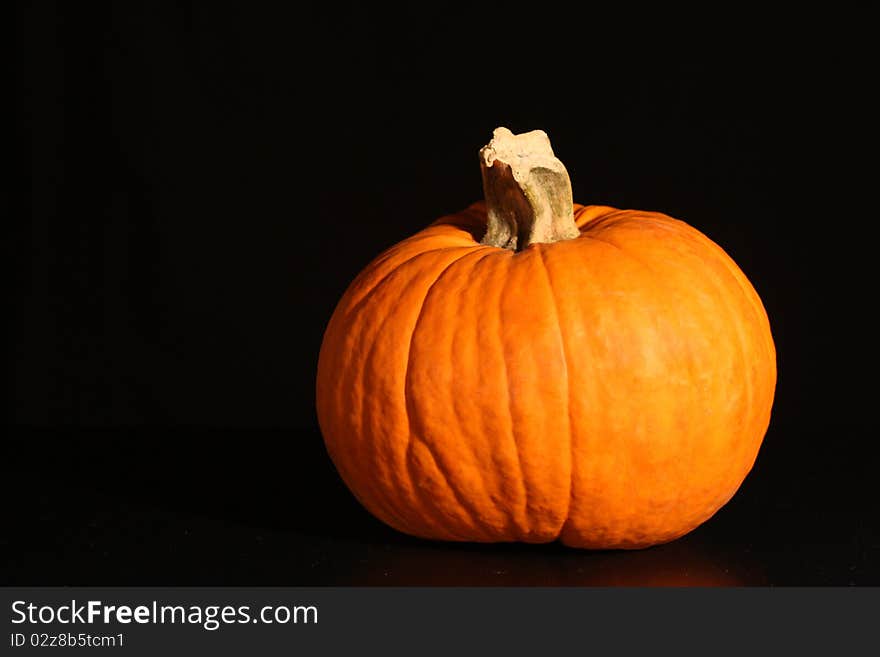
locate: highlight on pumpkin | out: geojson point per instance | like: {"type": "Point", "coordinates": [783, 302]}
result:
{"type": "Point", "coordinates": [531, 369]}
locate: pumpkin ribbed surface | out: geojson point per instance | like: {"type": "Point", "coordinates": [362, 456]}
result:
{"type": "Point", "coordinates": [610, 390]}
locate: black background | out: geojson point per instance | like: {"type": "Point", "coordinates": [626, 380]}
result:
{"type": "Point", "coordinates": [196, 186]}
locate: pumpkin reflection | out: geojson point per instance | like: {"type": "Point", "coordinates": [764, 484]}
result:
{"type": "Point", "coordinates": [681, 563]}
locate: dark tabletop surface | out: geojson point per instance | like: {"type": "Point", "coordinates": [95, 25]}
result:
{"type": "Point", "coordinates": [221, 507]}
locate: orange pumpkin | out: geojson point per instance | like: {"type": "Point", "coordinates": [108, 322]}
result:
{"type": "Point", "coordinates": [603, 377]}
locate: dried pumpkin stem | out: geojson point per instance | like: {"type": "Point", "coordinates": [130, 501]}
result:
{"type": "Point", "coordinates": [527, 190]}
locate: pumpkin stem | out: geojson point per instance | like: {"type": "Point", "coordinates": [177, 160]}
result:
{"type": "Point", "coordinates": [527, 190]}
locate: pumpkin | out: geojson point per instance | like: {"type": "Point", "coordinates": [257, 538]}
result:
{"type": "Point", "coordinates": [533, 370]}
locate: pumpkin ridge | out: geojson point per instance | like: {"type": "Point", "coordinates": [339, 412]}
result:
{"type": "Point", "coordinates": [747, 288]}
{"type": "Point", "coordinates": [720, 258]}
{"type": "Point", "coordinates": [610, 215]}
{"type": "Point", "coordinates": [624, 254]}
{"type": "Point", "coordinates": [509, 406]}
{"type": "Point", "coordinates": [730, 305]}
{"type": "Point", "coordinates": [748, 379]}
{"type": "Point", "coordinates": [627, 253]}
{"type": "Point", "coordinates": [562, 346]}
{"type": "Point", "coordinates": [337, 392]}
{"type": "Point", "coordinates": [512, 526]}
{"type": "Point", "coordinates": [384, 258]}
{"type": "Point", "coordinates": [413, 434]}
{"type": "Point", "coordinates": [761, 313]}
{"type": "Point", "coordinates": [717, 260]}
{"type": "Point", "coordinates": [392, 506]}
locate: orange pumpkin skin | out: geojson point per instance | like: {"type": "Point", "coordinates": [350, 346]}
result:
{"type": "Point", "coordinates": [608, 391]}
